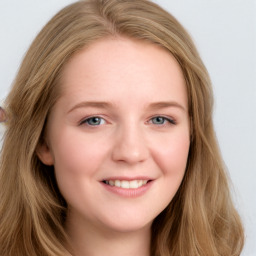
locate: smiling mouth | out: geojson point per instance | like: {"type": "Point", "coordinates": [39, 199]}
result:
{"type": "Point", "coordinates": [126, 184]}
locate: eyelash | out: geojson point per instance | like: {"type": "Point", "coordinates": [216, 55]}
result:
{"type": "Point", "coordinates": [86, 121]}
{"type": "Point", "coordinates": [163, 118]}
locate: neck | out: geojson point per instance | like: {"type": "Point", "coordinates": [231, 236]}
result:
{"type": "Point", "coordinates": [86, 239]}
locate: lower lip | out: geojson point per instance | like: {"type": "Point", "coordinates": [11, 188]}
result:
{"type": "Point", "coordinates": [128, 192]}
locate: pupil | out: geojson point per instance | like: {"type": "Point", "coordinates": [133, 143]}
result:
{"type": "Point", "coordinates": [94, 120]}
{"type": "Point", "coordinates": [159, 120]}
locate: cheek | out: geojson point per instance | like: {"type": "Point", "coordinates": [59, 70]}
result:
{"type": "Point", "coordinates": [76, 161]}
{"type": "Point", "coordinates": [76, 164]}
{"type": "Point", "coordinates": [171, 158]}
{"type": "Point", "coordinates": [172, 155]}
{"type": "Point", "coordinates": [77, 155]}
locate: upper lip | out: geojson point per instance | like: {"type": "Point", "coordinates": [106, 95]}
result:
{"type": "Point", "coordinates": [127, 178]}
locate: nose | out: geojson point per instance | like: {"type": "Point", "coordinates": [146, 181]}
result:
{"type": "Point", "coordinates": [130, 145]}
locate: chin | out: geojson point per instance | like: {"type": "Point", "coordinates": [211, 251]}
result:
{"type": "Point", "coordinates": [125, 225]}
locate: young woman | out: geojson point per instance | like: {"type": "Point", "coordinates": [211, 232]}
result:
{"type": "Point", "coordinates": [109, 147]}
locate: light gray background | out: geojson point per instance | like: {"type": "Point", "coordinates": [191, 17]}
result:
{"type": "Point", "coordinates": [225, 34]}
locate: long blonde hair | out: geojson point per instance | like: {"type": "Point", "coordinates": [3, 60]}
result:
{"type": "Point", "coordinates": [201, 218]}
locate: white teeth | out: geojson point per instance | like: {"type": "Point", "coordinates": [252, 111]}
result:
{"type": "Point", "coordinates": [117, 183]}
{"type": "Point", "coordinates": [111, 182]}
{"type": "Point", "coordinates": [126, 184]}
{"type": "Point", "coordinates": [134, 184]}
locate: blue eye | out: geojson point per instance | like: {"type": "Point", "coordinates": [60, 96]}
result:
{"type": "Point", "coordinates": [160, 120]}
{"type": "Point", "coordinates": [93, 121]}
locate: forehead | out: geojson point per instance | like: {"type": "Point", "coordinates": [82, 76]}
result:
{"type": "Point", "coordinates": [118, 67]}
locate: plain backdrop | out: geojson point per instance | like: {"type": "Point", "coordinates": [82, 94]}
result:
{"type": "Point", "coordinates": [225, 34]}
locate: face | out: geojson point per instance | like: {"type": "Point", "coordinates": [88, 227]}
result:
{"type": "Point", "coordinates": [118, 136]}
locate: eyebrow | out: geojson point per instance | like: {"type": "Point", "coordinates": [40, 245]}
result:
{"type": "Point", "coordinates": [166, 104]}
{"type": "Point", "coordinates": [107, 105]}
{"type": "Point", "coordinates": [94, 104]}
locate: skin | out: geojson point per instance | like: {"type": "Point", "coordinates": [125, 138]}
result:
{"type": "Point", "coordinates": [130, 83]}
{"type": "Point", "coordinates": [2, 115]}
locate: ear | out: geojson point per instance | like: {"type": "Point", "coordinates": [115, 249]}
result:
{"type": "Point", "coordinates": [3, 117]}
{"type": "Point", "coordinates": [44, 153]}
